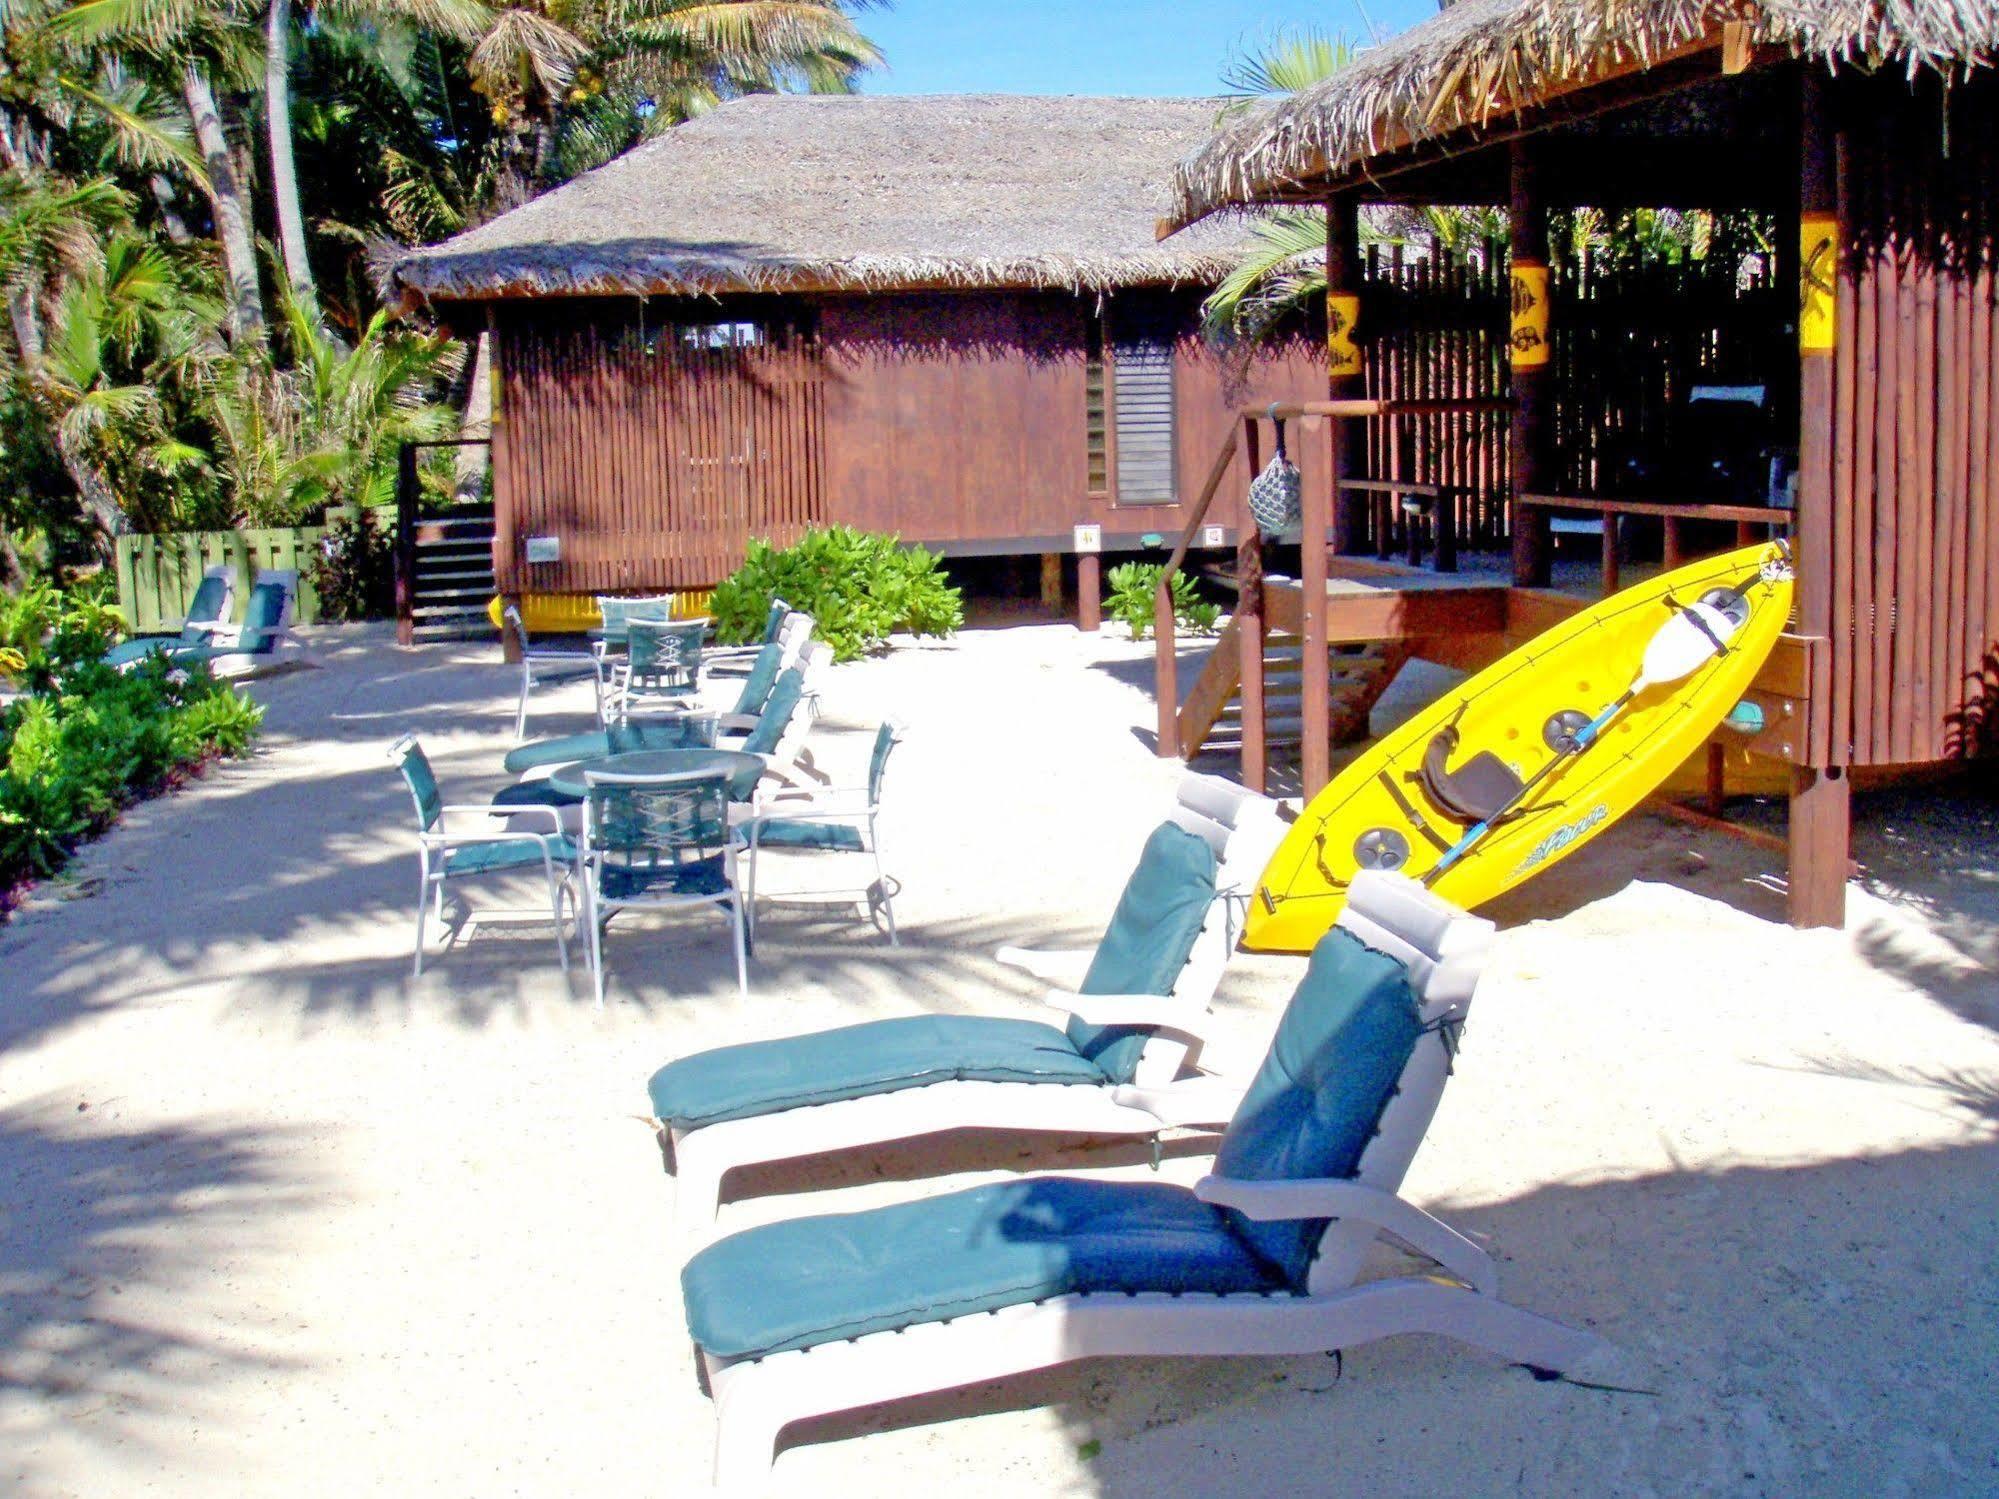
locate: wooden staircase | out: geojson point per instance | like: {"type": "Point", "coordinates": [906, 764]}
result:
{"type": "Point", "coordinates": [1210, 716]}
{"type": "Point", "coordinates": [452, 574]}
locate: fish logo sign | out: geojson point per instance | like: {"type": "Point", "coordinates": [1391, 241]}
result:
{"type": "Point", "coordinates": [1561, 838]}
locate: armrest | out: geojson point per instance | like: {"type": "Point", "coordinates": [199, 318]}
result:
{"type": "Point", "coordinates": [794, 773]}
{"type": "Point", "coordinates": [799, 804]}
{"type": "Point", "coordinates": [1065, 966]}
{"type": "Point", "coordinates": [1331, 1197]}
{"type": "Point", "coordinates": [1192, 1100]}
{"type": "Point", "coordinates": [531, 813]}
{"type": "Point", "coordinates": [1152, 1012]}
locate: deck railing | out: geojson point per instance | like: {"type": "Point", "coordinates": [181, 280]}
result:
{"type": "Point", "coordinates": [1747, 520]}
{"type": "Point", "coordinates": [1246, 435]}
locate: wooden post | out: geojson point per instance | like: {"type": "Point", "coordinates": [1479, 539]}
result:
{"type": "Point", "coordinates": [1532, 359]}
{"type": "Point", "coordinates": [1249, 628]}
{"type": "Point", "coordinates": [1089, 592]}
{"type": "Point", "coordinates": [1717, 779]}
{"type": "Point", "coordinates": [1819, 792]}
{"type": "Point", "coordinates": [1051, 581]}
{"type": "Point", "coordinates": [406, 496]}
{"type": "Point", "coordinates": [1166, 670]}
{"type": "Point", "coordinates": [1821, 814]}
{"type": "Point", "coordinates": [1345, 375]}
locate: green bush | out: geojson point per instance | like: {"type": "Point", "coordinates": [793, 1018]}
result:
{"type": "Point", "coordinates": [87, 740]}
{"type": "Point", "coordinates": [858, 586]}
{"type": "Point", "coordinates": [1133, 586]}
{"type": "Point", "coordinates": [354, 570]}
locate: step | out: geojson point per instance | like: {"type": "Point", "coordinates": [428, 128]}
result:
{"type": "Point", "coordinates": [443, 612]}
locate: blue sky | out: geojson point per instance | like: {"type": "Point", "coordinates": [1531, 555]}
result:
{"type": "Point", "coordinates": [1094, 46]}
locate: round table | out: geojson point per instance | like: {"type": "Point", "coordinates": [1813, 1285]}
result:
{"type": "Point", "coordinates": [744, 770]}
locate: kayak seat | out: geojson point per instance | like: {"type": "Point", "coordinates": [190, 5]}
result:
{"type": "Point", "coordinates": [1477, 791]}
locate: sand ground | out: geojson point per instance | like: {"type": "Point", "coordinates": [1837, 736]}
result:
{"type": "Point", "coordinates": [274, 1218]}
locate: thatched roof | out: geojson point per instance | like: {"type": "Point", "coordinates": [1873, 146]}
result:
{"type": "Point", "coordinates": [785, 191]}
{"type": "Point", "coordinates": [1481, 60]}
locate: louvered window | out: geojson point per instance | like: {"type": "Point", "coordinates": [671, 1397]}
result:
{"type": "Point", "coordinates": [1141, 346]}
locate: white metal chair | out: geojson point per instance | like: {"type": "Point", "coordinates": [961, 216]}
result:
{"type": "Point", "coordinates": [1117, 1055]}
{"type": "Point", "coordinates": [809, 1316]}
{"type": "Point", "coordinates": [444, 854]}
{"type": "Point", "coordinates": [546, 668]}
{"type": "Point", "coordinates": [658, 843]}
{"type": "Point", "coordinates": [796, 819]}
{"type": "Point", "coordinates": [661, 668]}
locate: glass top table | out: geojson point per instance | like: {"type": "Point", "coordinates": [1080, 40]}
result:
{"type": "Point", "coordinates": [743, 769]}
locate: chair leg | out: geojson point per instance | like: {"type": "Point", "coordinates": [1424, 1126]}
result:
{"type": "Point", "coordinates": [596, 944]}
{"type": "Point", "coordinates": [521, 711]}
{"type": "Point", "coordinates": [881, 884]}
{"type": "Point", "coordinates": [737, 925]}
{"type": "Point", "coordinates": [555, 905]}
{"type": "Point", "coordinates": [422, 910]}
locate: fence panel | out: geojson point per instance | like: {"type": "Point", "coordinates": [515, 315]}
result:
{"type": "Point", "coordinates": [157, 575]}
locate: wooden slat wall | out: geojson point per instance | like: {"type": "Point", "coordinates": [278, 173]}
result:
{"type": "Point", "coordinates": [1915, 608]}
{"type": "Point", "coordinates": [651, 451]}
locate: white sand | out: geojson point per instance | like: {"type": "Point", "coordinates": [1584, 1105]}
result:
{"type": "Point", "coordinates": [275, 1219]}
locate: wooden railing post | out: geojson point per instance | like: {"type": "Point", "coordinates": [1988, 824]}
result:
{"type": "Point", "coordinates": [1315, 689]}
{"type": "Point", "coordinates": [1166, 670]}
{"type": "Point", "coordinates": [406, 498]}
{"type": "Point", "coordinates": [1530, 357]}
{"type": "Point", "coordinates": [1249, 629]}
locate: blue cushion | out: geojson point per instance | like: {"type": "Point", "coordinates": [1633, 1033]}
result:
{"type": "Point", "coordinates": [620, 739]}
{"type": "Point", "coordinates": [535, 794]}
{"type": "Point", "coordinates": [762, 676]}
{"type": "Point", "coordinates": [777, 711]}
{"type": "Point", "coordinates": [805, 1281]}
{"type": "Point", "coordinates": [139, 647]}
{"type": "Point", "coordinates": [1148, 941]}
{"type": "Point", "coordinates": [708, 876]}
{"type": "Point", "coordinates": [1316, 1100]}
{"type": "Point", "coordinates": [785, 832]}
{"type": "Point", "coordinates": [855, 1061]}
{"type": "Point", "coordinates": [508, 853]}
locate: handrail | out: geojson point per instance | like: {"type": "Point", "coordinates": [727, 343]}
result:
{"type": "Point", "coordinates": [1166, 684]}
{"type": "Point", "coordinates": [1746, 518]}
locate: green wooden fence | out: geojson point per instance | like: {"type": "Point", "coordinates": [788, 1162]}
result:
{"type": "Point", "coordinates": [157, 575]}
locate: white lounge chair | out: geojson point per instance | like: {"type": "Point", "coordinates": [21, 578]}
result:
{"type": "Point", "coordinates": [249, 648]}
{"type": "Point", "coordinates": [814, 1315]}
{"type": "Point", "coordinates": [1133, 1015]}
{"type": "Point", "coordinates": [207, 615]}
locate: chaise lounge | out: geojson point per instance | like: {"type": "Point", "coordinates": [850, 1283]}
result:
{"type": "Point", "coordinates": [814, 1315]}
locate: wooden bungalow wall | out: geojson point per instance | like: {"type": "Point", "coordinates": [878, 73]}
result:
{"type": "Point", "coordinates": [958, 420]}
{"type": "Point", "coordinates": [1913, 674]}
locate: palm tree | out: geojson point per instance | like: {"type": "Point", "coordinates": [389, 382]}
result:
{"type": "Point", "coordinates": [573, 82]}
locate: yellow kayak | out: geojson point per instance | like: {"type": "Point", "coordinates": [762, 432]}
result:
{"type": "Point", "coordinates": [1525, 763]}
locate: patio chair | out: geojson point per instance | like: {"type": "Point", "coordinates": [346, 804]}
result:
{"type": "Point", "coordinates": [662, 666]}
{"type": "Point", "coordinates": [814, 1315]}
{"type": "Point", "coordinates": [207, 612]}
{"type": "Point", "coordinates": [836, 821]}
{"type": "Point", "coordinates": [550, 668]}
{"type": "Point", "coordinates": [618, 614]}
{"type": "Point", "coordinates": [1120, 1060]}
{"type": "Point", "coordinates": [658, 843]}
{"type": "Point", "coordinates": [736, 660]}
{"type": "Point", "coordinates": [444, 854]}
{"type": "Point", "coordinates": [252, 646]}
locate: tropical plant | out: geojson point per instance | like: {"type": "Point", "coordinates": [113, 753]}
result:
{"type": "Point", "coordinates": [859, 587]}
{"type": "Point", "coordinates": [354, 570]}
{"type": "Point", "coordinates": [1134, 589]}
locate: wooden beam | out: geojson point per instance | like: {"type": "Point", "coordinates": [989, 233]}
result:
{"type": "Point", "coordinates": [1390, 614]}
{"type": "Point", "coordinates": [1532, 362]}
{"type": "Point", "coordinates": [1818, 837]}
{"type": "Point", "coordinates": [1089, 592]}
{"type": "Point", "coordinates": [1250, 624]}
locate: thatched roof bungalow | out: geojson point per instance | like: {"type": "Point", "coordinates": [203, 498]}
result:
{"type": "Point", "coordinates": [944, 316]}
{"type": "Point", "coordinates": [1868, 132]}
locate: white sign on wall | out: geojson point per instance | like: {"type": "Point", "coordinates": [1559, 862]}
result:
{"type": "Point", "coordinates": [1212, 536]}
{"type": "Point", "coordinates": [1089, 538]}
{"type": "Point", "coordinates": [544, 549]}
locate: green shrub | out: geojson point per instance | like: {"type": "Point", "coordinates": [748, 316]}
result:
{"type": "Point", "coordinates": [858, 586]}
{"type": "Point", "coordinates": [87, 740]}
{"type": "Point", "coordinates": [1133, 588]}
{"type": "Point", "coordinates": [354, 570]}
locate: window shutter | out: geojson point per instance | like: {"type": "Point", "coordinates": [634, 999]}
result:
{"type": "Point", "coordinates": [1142, 371]}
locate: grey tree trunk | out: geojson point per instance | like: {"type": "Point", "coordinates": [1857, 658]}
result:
{"type": "Point", "coordinates": [99, 503]}
{"type": "Point", "coordinates": [477, 422]}
{"type": "Point", "coordinates": [232, 210]}
{"type": "Point", "coordinates": [284, 174]}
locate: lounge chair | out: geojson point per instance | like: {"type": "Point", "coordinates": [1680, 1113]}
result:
{"type": "Point", "coordinates": [546, 668]}
{"type": "Point", "coordinates": [252, 646]}
{"type": "Point", "coordinates": [445, 853]}
{"type": "Point", "coordinates": [1135, 1015]}
{"type": "Point", "coordinates": [814, 1315]}
{"type": "Point", "coordinates": [794, 821]}
{"type": "Point", "coordinates": [207, 613]}
{"type": "Point", "coordinates": [735, 660]}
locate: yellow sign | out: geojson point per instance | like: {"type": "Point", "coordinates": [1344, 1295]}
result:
{"type": "Point", "coordinates": [1528, 336]}
{"type": "Point", "coordinates": [1818, 263]}
{"type": "Point", "coordinates": [1342, 317]}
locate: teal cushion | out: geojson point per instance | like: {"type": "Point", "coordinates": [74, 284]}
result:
{"type": "Point", "coordinates": [758, 683]}
{"type": "Point", "coordinates": [139, 647]}
{"type": "Point", "coordinates": [708, 876]}
{"type": "Point", "coordinates": [1148, 941]}
{"type": "Point", "coordinates": [856, 1061]}
{"type": "Point", "coordinates": [1316, 1100]}
{"type": "Point", "coordinates": [784, 832]}
{"type": "Point", "coordinates": [804, 1281]}
{"type": "Point", "coordinates": [777, 711]}
{"type": "Point", "coordinates": [620, 739]}
{"type": "Point", "coordinates": [508, 853]}
{"type": "Point", "coordinates": [535, 794]}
